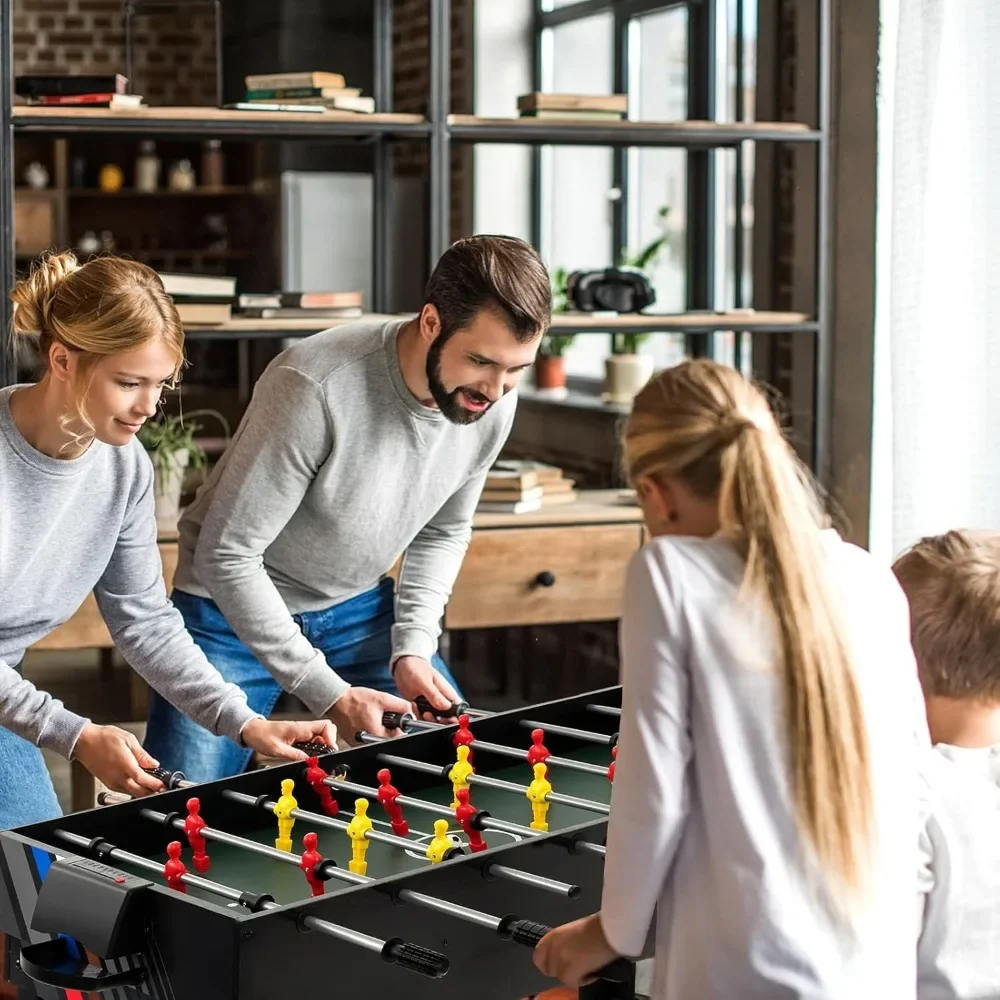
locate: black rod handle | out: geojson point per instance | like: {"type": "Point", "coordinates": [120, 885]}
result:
{"type": "Point", "coordinates": [414, 958]}
{"type": "Point", "coordinates": [459, 708]}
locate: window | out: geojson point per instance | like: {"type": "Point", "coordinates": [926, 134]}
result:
{"type": "Point", "coordinates": [589, 198]}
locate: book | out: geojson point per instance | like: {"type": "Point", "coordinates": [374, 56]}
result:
{"type": "Point", "coordinates": [205, 313]}
{"type": "Point", "coordinates": [511, 507]}
{"type": "Point", "coordinates": [65, 85]}
{"type": "Point", "coordinates": [541, 471]}
{"type": "Point", "coordinates": [300, 300]}
{"type": "Point", "coordinates": [286, 93]}
{"type": "Point", "coordinates": [342, 102]}
{"type": "Point", "coordinates": [532, 493]}
{"type": "Point", "coordinates": [289, 81]}
{"type": "Point", "coordinates": [348, 312]}
{"type": "Point", "coordinates": [579, 116]}
{"type": "Point", "coordinates": [200, 286]}
{"type": "Point", "coordinates": [572, 102]}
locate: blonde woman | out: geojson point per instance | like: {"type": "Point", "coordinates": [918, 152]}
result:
{"type": "Point", "coordinates": [76, 515]}
{"type": "Point", "coordinates": [765, 802]}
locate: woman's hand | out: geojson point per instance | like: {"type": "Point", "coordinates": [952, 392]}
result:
{"type": "Point", "coordinates": [573, 952]}
{"type": "Point", "coordinates": [116, 758]}
{"type": "Point", "coordinates": [275, 739]}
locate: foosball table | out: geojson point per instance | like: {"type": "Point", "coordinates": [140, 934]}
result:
{"type": "Point", "coordinates": [426, 865]}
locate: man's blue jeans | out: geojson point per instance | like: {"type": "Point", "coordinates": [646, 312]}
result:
{"type": "Point", "coordinates": [26, 792]}
{"type": "Point", "coordinates": [354, 636]}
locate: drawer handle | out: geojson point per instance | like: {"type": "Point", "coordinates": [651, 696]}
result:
{"type": "Point", "coordinates": [545, 579]}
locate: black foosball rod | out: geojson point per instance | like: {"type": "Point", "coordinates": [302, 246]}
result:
{"type": "Point", "coordinates": [407, 722]}
{"type": "Point", "coordinates": [605, 710]}
{"type": "Point", "coordinates": [489, 868]}
{"type": "Point", "coordinates": [477, 779]}
{"type": "Point", "coordinates": [481, 821]}
{"type": "Point", "coordinates": [395, 951]}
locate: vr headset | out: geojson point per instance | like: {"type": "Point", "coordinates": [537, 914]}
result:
{"type": "Point", "coordinates": [613, 289]}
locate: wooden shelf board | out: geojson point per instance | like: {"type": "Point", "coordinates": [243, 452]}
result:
{"type": "Point", "coordinates": [216, 122]}
{"type": "Point", "coordinates": [746, 320]}
{"type": "Point", "coordinates": [571, 131]}
{"type": "Point", "coordinates": [590, 507]}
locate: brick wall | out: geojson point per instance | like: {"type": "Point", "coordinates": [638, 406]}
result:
{"type": "Point", "coordinates": [173, 53]}
{"type": "Point", "coordinates": [411, 88]}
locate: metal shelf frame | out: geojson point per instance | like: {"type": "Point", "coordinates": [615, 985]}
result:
{"type": "Point", "coordinates": [439, 128]}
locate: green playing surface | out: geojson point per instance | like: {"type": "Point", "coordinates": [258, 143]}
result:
{"type": "Point", "coordinates": [243, 869]}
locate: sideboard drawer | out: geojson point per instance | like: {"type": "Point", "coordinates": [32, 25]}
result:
{"type": "Point", "coordinates": [535, 576]}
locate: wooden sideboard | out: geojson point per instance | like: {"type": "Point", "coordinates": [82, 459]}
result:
{"type": "Point", "coordinates": [561, 564]}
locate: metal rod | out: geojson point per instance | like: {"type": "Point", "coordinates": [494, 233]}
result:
{"type": "Point", "coordinates": [382, 155]}
{"type": "Point", "coordinates": [8, 365]}
{"type": "Point", "coordinates": [497, 783]}
{"type": "Point", "coordinates": [420, 725]}
{"type": "Point", "coordinates": [535, 881]}
{"type": "Point", "coordinates": [576, 734]}
{"type": "Point", "coordinates": [375, 836]}
{"type": "Point", "coordinates": [823, 374]}
{"type": "Point", "coordinates": [439, 106]}
{"type": "Point", "coordinates": [314, 923]}
{"type": "Point", "coordinates": [499, 871]}
{"type": "Point", "coordinates": [605, 710]}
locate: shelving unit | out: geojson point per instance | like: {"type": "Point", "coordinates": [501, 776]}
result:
{"type": "Point", "coordinates": [439, 129]}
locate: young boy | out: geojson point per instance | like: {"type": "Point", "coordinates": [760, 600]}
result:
{"type": "Point", "coordinates": [953, 585]}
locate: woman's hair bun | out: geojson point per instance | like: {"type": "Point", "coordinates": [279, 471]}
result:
{"type": "Point", "coordinates": [32, 296]}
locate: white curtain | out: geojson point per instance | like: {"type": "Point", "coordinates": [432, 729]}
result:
{"type": "Point", "coordinates": [936, 455]}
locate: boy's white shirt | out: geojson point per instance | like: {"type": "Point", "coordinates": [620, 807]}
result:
{"type": "Point", "coordinates": [959, 886]}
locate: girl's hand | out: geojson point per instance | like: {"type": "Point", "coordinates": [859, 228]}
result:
{"type": "Point", "coordinates": [573, 952]}
{"type": "Point", "coordinates": [275, 739]}
{"type": "Point", "coordinates": [115, 757]}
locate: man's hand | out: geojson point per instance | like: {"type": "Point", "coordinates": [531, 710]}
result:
{"type": "Point", "coordinates": [275, 739]}
{"type": "Point", "coordinates": [573, 952]}
{"type": "Point", "coordinates": [360, 709]}
{"type": "Point", "coordinates": [115, 757]}
{"type": "Point", "coordinates": [415, 676]}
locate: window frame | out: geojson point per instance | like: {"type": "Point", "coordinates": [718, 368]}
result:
{"type": "Point", "coordinates": [703, 197]}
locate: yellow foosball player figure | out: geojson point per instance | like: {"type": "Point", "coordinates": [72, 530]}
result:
{"type": "Point", "coordinates": [283, 811]}
{"type": "Point", "coordinates": [440, 843]}
{"type": "Point", "coordinates": [459, 773]}
{"type": "Point", "coordinates": [357, 830]}
{"type": "Point", "coordinates": [537, 794]}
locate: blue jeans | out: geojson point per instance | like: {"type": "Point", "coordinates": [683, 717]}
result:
{"type": "Point", "coordinates": [354, 636]}
{"type": "Point", "coordinates": [26, 792]}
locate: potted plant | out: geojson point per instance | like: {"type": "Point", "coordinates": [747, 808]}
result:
{"type": "Point", "coordinates": [173, 449]}
{"type": "Point", "coordinates": [626, 371]}
{"type": "Point", "coordinates": [550, 372]}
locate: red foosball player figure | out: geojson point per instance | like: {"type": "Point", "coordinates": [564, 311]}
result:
{"type": "Point", "coordinates": [464, 813]}
{"type": "Point", "coordinates": [463, 736]}
{"type": "Point", "coordinates": [611, 766]}
{"type": "Point", "coordinates": [310, 860]}
{"type": "Point", "coordinates": [193, 826]}
{"type": "Point", "coordinates": [174, 868]}
{"type": "Point", "coordinates": [537, 752]}
{"type": "Point", "coordinates": [316, 777]}
{"type": "Point", "coordinates": [387, 795]}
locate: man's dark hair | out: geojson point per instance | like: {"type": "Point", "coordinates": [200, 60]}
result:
{"type": "Point", "coordinates": [501, 273]}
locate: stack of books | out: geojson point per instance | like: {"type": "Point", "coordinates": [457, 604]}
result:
{"type": "Point", "coordinates": [314, 89]}
{"type": "Point", "coordinates": [201, 299]}
{"type": "Point", "coordinates": [574, 107]}
{"type": "Point", "coordinates": [91, 91]}
{"type": "Point", "coordinates": [519, 486]}
{"type": "Point", "coordinates": [301, 305]}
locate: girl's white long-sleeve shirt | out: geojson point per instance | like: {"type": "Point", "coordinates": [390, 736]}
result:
{"type": "Point", "coordinates": [703, 828]}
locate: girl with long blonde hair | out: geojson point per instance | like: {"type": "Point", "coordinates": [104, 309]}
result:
{"type": "Point", "coordinates": [77, 516]}
{"type": "Point", "coordinates": [765, 801]}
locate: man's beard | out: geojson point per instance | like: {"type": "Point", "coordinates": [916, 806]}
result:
{"type": "Point", "coordinates": [449, 403]}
